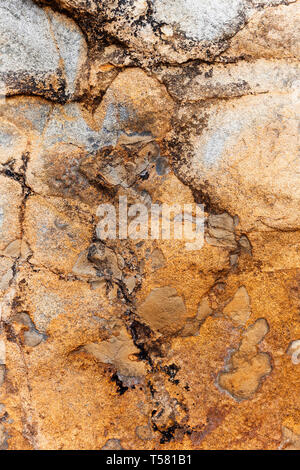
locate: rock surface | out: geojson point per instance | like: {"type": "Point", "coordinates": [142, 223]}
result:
{"type": "Point", "coordinates": [141, 341]}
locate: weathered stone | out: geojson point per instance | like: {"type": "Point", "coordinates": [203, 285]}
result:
{"type": "Point", "coordinates": [2, 374]}
{"type": "Point", "coordinates": [294, 351]}
{"type": "Point", "coordinates": [200, 82]}
{"type": "Point", "coordinates": [221, 231]}
{"type": "Point", "coordinates": [41, 51]}
{"type": "Point", "coordinates": [183, 29]}
{"type": "Point", "coordinates": [57, 231]}
{"type": "Point", "coordinates": [163, 310]}
{"type": "Point", "coordinates": [157, 259]}
{"type": "Point", "coordinates": [105, 261]}
{"type": "Point", "coordinates": [248, 367]}
{"type": "Point", "coordinates": [112, 444]}
{"type": "Point", "coordinates": [140, 342]}
{"type": "Point", "coordinates": [239, 309]}
{"type": "Point", "coordinates": [272, 33]}
{"type": "Point", "coordinates": [6, 273]}
{"type": "Point", "coordinates": [120, 352]}
{"type": "Point", "coordinates": [234, 157]}
{"type": "Point", "coordinates": [135, 105]}
{"type": "Point", "coordinates": [10, 211]}
{"type": "Point", "coordinates": [290, 440]}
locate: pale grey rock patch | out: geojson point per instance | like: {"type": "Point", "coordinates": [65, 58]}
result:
{"type": "Point", "coordinates": [2, 374]}
{"type": "Point", "coordinates": [24, 114]}
{"type": "Point", "coordinates": [220, 231]}
{"type": "Point", "coordinates": [38, 56]}
{"type": "Point", "coordinates": [208, 20]}
{"type": "Point", "coordinates": [12, 144]}
{"type": "Point", "coordinates": [112, 444]}
{"type": "Point", "coordinates": [203, 21]}
{"type": "Point", "coordinates": [67, 124]}
{"type": "Point", "coordinates": [26, 40]}
{"type": "Point", "coordinates": [233, 158]}
{"type": "Point", "coordinates": [32, 337]}
{"type": "Point", "coordinates": [72, 47]}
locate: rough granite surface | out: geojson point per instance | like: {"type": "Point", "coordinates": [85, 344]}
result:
{"type": "Point", "coordinates": [142, 344]}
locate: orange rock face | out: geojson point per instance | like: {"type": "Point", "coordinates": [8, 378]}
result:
{"type": "Point", "coordinates": [149, 339]}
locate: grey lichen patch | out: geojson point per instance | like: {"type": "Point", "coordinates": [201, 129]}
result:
{"type": "Point", "coordinates": [247, 366]}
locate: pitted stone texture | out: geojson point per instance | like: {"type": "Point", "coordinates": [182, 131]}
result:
{"type": "Point", "coordinates": [38, 55]}
{"type": "Point", "coordinates": [48, 297]}
{"type": "Point", "coordinates": [112, 146]}
{"type": "Point", "coordinates": [142, 344]}
{"type": "Point", "coordinates": [174, 31]}
{"type": "Point", "coordinates": [55, 171]}
{"type": "Point", "coordinates": [70, 314]}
